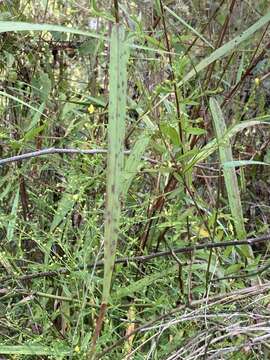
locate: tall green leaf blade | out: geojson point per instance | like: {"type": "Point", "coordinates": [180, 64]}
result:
{"type": "Point", "coordinates": [225, 153]}
{"type": "Point", "coordinates": [221, 52]}
{"type": "Point", "coordinates": [7, 26]}
{"type": "Point", "coordinates": [226, 48]}
{"type": "Point", "coordinates": [116, 132]}
{"type": "Point", "coordinates": [34, 349]}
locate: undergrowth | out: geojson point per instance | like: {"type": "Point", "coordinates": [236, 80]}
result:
{"type": "Point", "coordinates": [190, 239]}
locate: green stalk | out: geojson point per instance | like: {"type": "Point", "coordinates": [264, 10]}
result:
{"type": "Point", "coordinates": [225, 154]}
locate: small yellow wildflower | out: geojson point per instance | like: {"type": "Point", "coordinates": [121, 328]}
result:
{"type": "Point", "coordinates": [77, 349]}
{"type": "Point", "coordinates": [91, 109]}
{"type": "Point", "coordinates": [257, 81]}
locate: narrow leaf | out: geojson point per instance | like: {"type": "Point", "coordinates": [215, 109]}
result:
{"type": "Point", "coordinates": [225, 153]}
{"type": "Point", "coordinates": [34, 349]}
{"type": "Point", "coordinates": [21, 102]}
{"type": "Point", "coordinates": [116, 132]}
{"type": "Point", "coordinates": [7, 26]}
{"type": "Point", "coordinates": [144, 283]}
{"type": "Point", "coordinates": [231, 164]}
{"type": "Point", "coordinates": [182, 21]}
{"type": "Point", "coordinates": [226, 48]}
{"type": "Point", "coordinates": [133, 163]}
{"type": "Point", "coordinates": [65, 205]}
{"type": "Point", "coordinates": [212, 145]}
{"type": "Point", "coordinates": [12, 222]}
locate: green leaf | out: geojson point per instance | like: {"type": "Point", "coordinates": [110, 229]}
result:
{"type": "Point", "coordinates": [7, 26]}
{"type": "Point", "coordinates": [74, 189]}
{"type": "Point", "coordinates": [36, 117]}
{"type": "Point", "coordinates": [119, 53]}
{"type": "Point", "coordinates": [88, 47]}
{"type": "Point", "coordinates": [195, 131]}
{"type": "Point", "coordinates": [12, 223]}
{"type": "Point", "coordinates": [182, 21]}
{"type": "Point", "coordinates": [142, 284]}
{"type": "Point", "coordinates": [10, 26]}
{"type": "Point", "coordinates": [21, 102]}
{"type": "Point", "coordinates": [65, 205]}
{"type": "Point", "coordinates": [226, 48]}
{"type": "Point", "coordinates": [134, 162]}
{"type": "Point", "coordinates": [231, 164]}
{"type": "Point", "coordinates": [212, 145]}
{"type": "Point", "coordinates": [31, 134]}
{"type": "Point", "coordinates": [234, 268]}
{"type": "Point", "coordinates": [42, 86]}
{"type": "Point", "coordinates": [225, 153]}
{"type": "Point", "coordinates": [34, 349]}
{"type": "Point", "coordinates": [170, 132]}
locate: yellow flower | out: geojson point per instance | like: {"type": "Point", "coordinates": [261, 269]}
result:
{"type": "Point", "coordinates": [257, 81]}
{"type": "Point", "coordinates": [75, 197]}
{"type": "Point", "coordinates": [91, 109]}
{"type": "Point", "coordinates": [77, 349]}
{"type": "Point", "coordinates": [202, 232]}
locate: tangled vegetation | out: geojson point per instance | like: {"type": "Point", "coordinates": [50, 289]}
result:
{"type": "Point", "coordinates": [134, 162]}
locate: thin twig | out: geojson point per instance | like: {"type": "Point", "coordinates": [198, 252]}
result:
{"type": "Point", "coordinates": [49, 151]}
{"type": "Point", "coordinates": [63, 151]}
{"type": "Point", "coordinates": [144, 258]}
{"type": "Point", "coordinates": [116, 11]}
{"type": "Point", "coordinates": [217, 299]}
